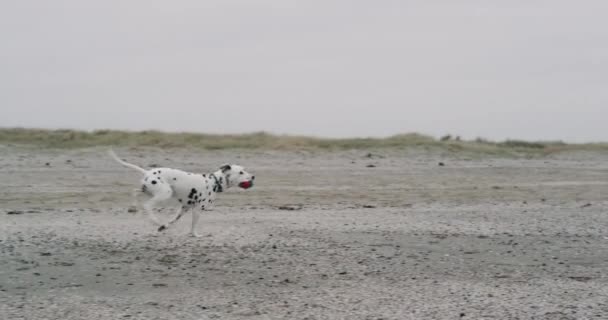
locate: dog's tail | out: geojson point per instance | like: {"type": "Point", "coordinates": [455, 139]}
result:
{"type": "Point", "coordinates": [124, 163]}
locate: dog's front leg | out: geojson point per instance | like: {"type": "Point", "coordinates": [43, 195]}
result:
{"type": "Point", "coordinates": [195, 217]}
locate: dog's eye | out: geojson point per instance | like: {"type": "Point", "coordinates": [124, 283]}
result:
{"type": "Point", "coordinates": [241, 172]}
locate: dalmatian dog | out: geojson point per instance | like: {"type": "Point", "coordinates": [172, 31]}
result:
{"type": "Point", "coordinates": [190, 191]}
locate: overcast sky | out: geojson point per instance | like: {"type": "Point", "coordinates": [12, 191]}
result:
{"type": "Point", "coordinates": [496, 69]}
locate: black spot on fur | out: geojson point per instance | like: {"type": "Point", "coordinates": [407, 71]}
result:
{"type": "Point", "coordinates": [174, 179]}
{"type": "Point", "coordinates": [204, 200]}
{"type": "Point", "coordinates": [143, 188]}
{"type": "Point", "coordinates": [189, 202]}
{"type": "Point", "coordinates": [154, 182]}
{"type": "Point", "coordinates": [192, 194]}
{"type": "Point", "coordinates": [202, 207]}
{"type": "Point", "coordinates": [161, 228]}
{"type": "Point", "coordinates": [209, 192]}
{"type": "Point", "coordinates": [180, 200]}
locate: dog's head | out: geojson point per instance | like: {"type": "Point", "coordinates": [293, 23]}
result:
{"type": "Point", "coordinates": [236, 175]}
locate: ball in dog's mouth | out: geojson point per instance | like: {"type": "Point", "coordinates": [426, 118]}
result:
{"type": "Point", "coordinates": [246, 184]}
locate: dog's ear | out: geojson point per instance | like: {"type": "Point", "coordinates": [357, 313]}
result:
{"type": "Point", "coordinates": [225, 167]}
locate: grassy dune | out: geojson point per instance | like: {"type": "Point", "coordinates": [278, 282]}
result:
{"type": "Point", "coordinates": [261, 140]}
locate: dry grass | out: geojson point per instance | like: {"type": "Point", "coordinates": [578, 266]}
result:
{"type": "Point", "coordinates": [261, 140]}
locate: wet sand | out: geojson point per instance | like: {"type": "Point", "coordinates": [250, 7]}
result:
{"type": "Point", "coordinates": [323, 235]}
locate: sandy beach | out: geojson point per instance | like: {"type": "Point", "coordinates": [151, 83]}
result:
{"type": "Point", "coordinates": [364, 234]}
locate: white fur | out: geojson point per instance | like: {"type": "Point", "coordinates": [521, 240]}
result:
{"type": "Point", "coordinates": [192, 192]}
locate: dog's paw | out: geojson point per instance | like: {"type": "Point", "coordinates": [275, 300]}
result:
{"type": "Point", "coordinates": [195, 235]}
{"type": "Point", "coordinates": [161, 228]}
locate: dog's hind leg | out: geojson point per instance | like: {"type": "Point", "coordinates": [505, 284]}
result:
{"type": "Point", "coordinates": [180, 212]}
{"type": "Point", "coordinates": [134, 203]}
{"type": "Point", "coordinates": [160, 194]}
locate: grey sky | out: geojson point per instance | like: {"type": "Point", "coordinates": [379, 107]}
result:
{"type": "Point", "coordinates": [497, 69]}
